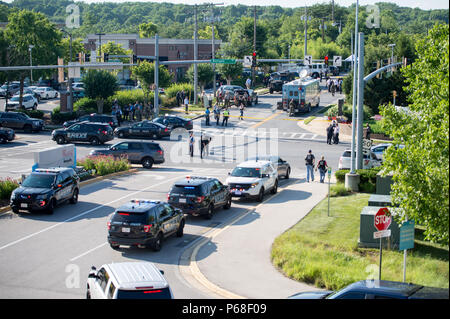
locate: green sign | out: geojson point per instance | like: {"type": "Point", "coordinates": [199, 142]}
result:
{"type": "Point", "coordinates": [224, 61]}
{"type": "Point", "coordinates": [329, 172]}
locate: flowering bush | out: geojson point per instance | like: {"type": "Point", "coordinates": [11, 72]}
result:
{"type": "Point", "coordinates": [7, 186]}
{"type": "Point", "coordinates": [103, 164]}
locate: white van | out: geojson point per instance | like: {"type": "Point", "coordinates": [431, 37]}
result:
{"type": "Point", "coordinates": [128, 280]}
{"type": "Point", "coordinates": [317, 69]}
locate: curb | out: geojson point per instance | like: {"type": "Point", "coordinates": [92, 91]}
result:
{"type": "Point", "coordinates": [192, 269]}
{"type": "Point", "coordinates": [4, 209]}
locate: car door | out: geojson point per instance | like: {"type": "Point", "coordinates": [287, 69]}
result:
{"type": "Point", "coordinates": [173, 220]}
{"type": "Point", "coordinates": [136, 130]}
{"type": "Point", "coordinates": [282, 167]}
{"type": "Point", "coordinates": [121, 149]}
{"type": "Point", "coordinates": [221, 193]}
{"type": "Point", "coordinates": [74, 133]}
{"type": "Point", "coordinates": [135, 152]}
{"type": "Point", "coordinates": [150, 130]}
{"type": "Point", "coordinates": [164, 219]}
{"type": "Point", "coordinates": [10, 120]}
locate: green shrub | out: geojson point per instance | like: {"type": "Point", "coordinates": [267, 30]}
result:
{"type": "Point", "coordinates": [7, 185]}
{"type": "Point", "coordinates": [340, 175]}
{"type": "Point", "coordinates": [347, 111]}
{"type": "Point", "coordinates": [104, 165]}
{"type": "Point", "coordinates": [86, 105]}
{"type": "Point", "coordinates": [59, 118]}
{"type": "Point", "coordinates": [37, 114]}
{"type": "Point", "coordinates": [339, 190]}
{"type": "Point", "coordinates": [171, 91]}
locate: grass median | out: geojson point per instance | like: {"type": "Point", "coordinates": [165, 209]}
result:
{"type": "Point", "coordinates": [323, 251]}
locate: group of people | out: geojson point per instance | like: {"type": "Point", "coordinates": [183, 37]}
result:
{"type": "Point", "coordinates": [182, 99]}
{"type": "Point", "coordinates": [131, 112]}
{"type": "Point", "coordinates": [333, 133]}
{"type": "Point", "coordinates": [310, 162]}
{"type": "Point", "coordinates": [216, 112]}
{"type": "Point", "coordinates": [334, 86]}
{"type": "Point", "coordinates": [204, 144]}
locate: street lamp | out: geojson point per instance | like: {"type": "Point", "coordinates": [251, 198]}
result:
{"type": "Point", "coordinates": [30, 47]}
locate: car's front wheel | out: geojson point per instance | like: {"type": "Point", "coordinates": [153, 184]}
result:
{"type": "Point", "coordinates": [147, 162]}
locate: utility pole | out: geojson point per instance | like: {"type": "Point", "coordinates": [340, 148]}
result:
{"type": "Point", "coordinates": [156, 103]}
{"type": "Point", "coordinates": [100, 44]}
{"type": "Point", "coordinates": [355, 74]}
{"type": "Point", "coordinates": [332, 11]}
{"type": "Point", "coordinates": [360, 114]}
{"type": "Point", "coordinates": [195, 56]}
{"type": "Point", "coordinates": [254, 44]}
{"type": "Point", "coordinates": [306, 34]}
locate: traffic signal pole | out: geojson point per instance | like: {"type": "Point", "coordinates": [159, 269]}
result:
{"type": "Point", "coordinates": [254, 47]}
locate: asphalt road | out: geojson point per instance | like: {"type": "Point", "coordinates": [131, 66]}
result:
{"type": "Point", "coordinates": [44, 256]}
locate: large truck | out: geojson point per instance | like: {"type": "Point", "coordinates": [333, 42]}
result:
{"type": "Point", "coordinates": [304, 93]}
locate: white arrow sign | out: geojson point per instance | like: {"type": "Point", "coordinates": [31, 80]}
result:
{"type": "Point", "coordinates": [307, 60]}
{"type": "Point", "coordinates": [247, 61]}
{"type": "Point", "coordinates": [337, 60]}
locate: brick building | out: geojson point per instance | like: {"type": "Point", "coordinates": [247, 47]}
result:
{"type": "Point", "coordinates": [169, 49]}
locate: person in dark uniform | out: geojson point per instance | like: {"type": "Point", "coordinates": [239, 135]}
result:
{"type": "Point", "coordinates": [191, 144]}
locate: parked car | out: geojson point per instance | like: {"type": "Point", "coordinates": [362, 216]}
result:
{"type": "Point", "coordinates": [174, 122]}
{"type": "Point", "coordinates": [28, 102]}
{"type": "Point", "coordinates": [143, 129]}
{"type": "Point", "coordinates": [253, 179]}
{"type": "Point", "coordinates": [20, 121]}
{"type": "Point", "coordinates": [94, 133]}
{"type": "Point", "coordinates": [379, 149]}
{"type": "Point", "coordinates": [144, 223]}
{"type": "Point", "coordinates": [236, 92]}
{"type": "Point", "coordinates": [31, 90]}
{"type": "Point", "coordinates": [370, 160]}
{"type": "Point", "coordinates": [197, 195]}
{"type": "Point", "coordinates": [283, 168]}
{"type": "Point", "coordinates": [45, 188]}
{"type": "Point", "coordinates": [9, 90]}
{"type": "Point", "coordinates": [145, 153]}
{"type": "Point", "coordinates": [46, 92]}
{"type": "Point", "coordinates": [6, 135]}
{"type": "Point", "coordinates": [378, 289]}
{"type": "Point", "coordinates": [49, 83]}
{"type": "Point", "coordinates": [94, 117]}
{"type": "Point", "coordinates": [128, 280]}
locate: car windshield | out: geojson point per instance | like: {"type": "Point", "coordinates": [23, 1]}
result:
{"type": "Point", "coordinates": [246, 172]}
{"type": "Point", "coordinates": [39, 181]}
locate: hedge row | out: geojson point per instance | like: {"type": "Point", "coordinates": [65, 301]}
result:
{"type": "Point", "coordinates": [368, 178]}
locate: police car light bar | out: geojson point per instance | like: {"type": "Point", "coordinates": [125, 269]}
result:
{"type": "Point", "coordinates": [145, 201]}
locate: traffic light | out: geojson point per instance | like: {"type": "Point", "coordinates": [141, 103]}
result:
{"type": "Point", "coordinates": [326, 60]}
{"type": "Point", "coordinates": [134, 59]}
{"type": "Point", "coordinates": [254, 59]}
{"type": "Point", "coordinates": [105, 57]}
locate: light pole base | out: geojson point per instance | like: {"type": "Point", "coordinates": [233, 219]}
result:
{"type": "Point", "coordinates": [352, 181]}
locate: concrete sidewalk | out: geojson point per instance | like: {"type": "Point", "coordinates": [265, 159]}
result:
{"type": "Point", "coordinates": [236, 262]}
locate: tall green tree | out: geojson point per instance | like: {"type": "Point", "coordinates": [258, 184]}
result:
{"type": "Point", "coordinates": [421, 169]}
{"type": "Point", "coordinates": [99, 85]}
{"type": "Point", "coordinates": [205, 74]}
{"type": "Point", "coordinates": [144, 72]}
{"type": "Point", "coordinates": [147, 30]}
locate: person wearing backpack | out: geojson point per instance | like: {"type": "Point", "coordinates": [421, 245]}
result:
{"type": "Point", "coordinates": [322, 167]}
{"type": "Point", "coordinates": [309, 161]}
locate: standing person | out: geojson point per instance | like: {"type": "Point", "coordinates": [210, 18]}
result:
{"type": "Point", "coordinates": [336, 134]}
{"type": "Point", "coordinates": [132, 109]}
{"type": "Point", "coordinates": [309, 162]}
{"type": "Point", "coordinates": [191, 143]}
{"type": "Point", "coordinates": [119, 115]}
{"type": "Point", "coordinates": [340, 86]}
{"type": "Point", "coordinates": [329, 84]}
{"type": "Point", "coordinates": [241, 110]}
{"type": "Point", "coordinates": [216, 113]}
{"type": "Point", "coordinates": [186, 104]}
{"type": "Point", "coordinates": [207, 112]}
{"type": "Point", "coordinates": [182, 96]}
{"type": "Point", "coordinates": [248, 83]}
{"type": "Point", "coordinates": [330, 132]}
{"type": "Point", "coordinates": [226, 114]}
{"type": "Point", "coordinates": [205, 100]}
{"type": "Point", "coordinates": [333, 88]}
{"type": "Point", "coordinates": [126, 111]}
{"type": "Point", "coordinates": [227, 99]}
{"type": "Point", "coordinates": [179, 100]}
{"type": "Point", "coordinates": [322, 167]}
{"type": "Point", "coordinates": [368, 131]}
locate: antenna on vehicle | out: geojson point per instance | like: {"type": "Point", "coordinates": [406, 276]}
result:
{"type": "Point", "coordinates": [303, 73]}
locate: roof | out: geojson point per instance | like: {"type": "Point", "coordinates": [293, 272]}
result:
{"type": "Point", "coordinates": [302, 81]}
{"type": "Point", "coordinates": [251, 164]}
{"type": "Point", "coordinates": [139, 205]}
{"type": "Point", "coordinates": [193, 180]}
{"type": "Point", "coordinates": [137, 275]}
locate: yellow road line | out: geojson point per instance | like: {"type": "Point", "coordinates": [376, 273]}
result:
{"type": "Point", "coordinates": [266, 120]}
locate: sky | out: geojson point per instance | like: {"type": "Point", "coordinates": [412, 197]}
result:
{"type": "Point", "coordinates": [422, 4]}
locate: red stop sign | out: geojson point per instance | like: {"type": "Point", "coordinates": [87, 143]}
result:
{"type": "Point", "coordinates": [382, 219]}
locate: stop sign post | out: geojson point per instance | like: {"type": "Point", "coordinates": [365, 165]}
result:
{"type": "Point", "coordinates": [382, 220]}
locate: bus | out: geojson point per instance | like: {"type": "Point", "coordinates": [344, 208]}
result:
{"type": "Point", "coordinates": [305, 92]}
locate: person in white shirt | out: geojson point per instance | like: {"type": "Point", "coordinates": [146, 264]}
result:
{"type": "Point", "coordinates": [336, 134]}
{"type": "Point", "coordinates": [248, 83]}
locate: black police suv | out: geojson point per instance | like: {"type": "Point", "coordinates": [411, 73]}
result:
{"type": "Point", "coordinates": [197, 195]}
{"type": "Point", "coordinates": [144, 129]}
{"type": "Point", "coordinates": [20, 121]}
{"type": "Point", "coordinates": [94, 133]}
{"type": "Point", "coordinates": [145, 153]}
{"type": "Point", "coordinates": [44, 189]}
{"type": "Point", "coordinates": [174, 122]}
{"type": "Point", "coordinates": [94, 117]}
{"type": "Point", "coordinates": [6, 135]}
{"type": "Point", "coordinates": [144, 223]}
